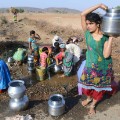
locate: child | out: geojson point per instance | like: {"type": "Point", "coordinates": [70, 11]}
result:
{"type": "Point", "coordinates": [43, 64]}
{"type": "Point", "coordinates": [15, 16]}
{"type": "Point", "coordinates": [59, 57]}
{"type": "Point", "coordinates": [33, 46]}
{"type": "Point", "coordinates": [43, 57]}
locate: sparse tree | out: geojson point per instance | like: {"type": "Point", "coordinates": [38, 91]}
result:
{"type": "Point", "coordinates": [21, 10]}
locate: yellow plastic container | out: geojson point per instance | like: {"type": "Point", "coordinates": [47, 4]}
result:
{"type": "Point", "coordinates": [40, 73]}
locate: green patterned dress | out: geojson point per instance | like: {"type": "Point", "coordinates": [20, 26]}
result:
{"type": "Point", "coordinates": [98, 72]}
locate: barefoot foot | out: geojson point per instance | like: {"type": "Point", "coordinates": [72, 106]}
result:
{"type": "Point", "coordinates": [92, 111]}
{"type": "Point", "coordinates": [86, 102]}
{"type": "Point", "coordinates": [62, 76]}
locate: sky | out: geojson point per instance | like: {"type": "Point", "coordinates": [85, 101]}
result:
{"type": "Point", "coordinates": [73, 4]}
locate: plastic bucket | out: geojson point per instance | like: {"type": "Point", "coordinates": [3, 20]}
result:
{"type": "Point", "coordinates": [40, 73]}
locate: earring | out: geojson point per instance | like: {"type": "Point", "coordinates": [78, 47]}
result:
{"type": "Point", "coordinates": [98, 25]}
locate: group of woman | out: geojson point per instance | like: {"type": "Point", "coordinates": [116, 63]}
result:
{"type": "Point", "coordinates": [68, 56]}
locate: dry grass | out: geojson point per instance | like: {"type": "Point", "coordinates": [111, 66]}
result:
{"type": "Point", "coordinates": [46, 25]}
{"type": "Point", "coordinates": [3, 20]}
{"type": "Point", "coordinates": [65, 32]}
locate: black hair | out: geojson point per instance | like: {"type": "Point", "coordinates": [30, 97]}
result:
{"type": "Point", "coordinates": [93, 17]}
{"type": "Point", "coordinates": [76, 40]}
{"type": "Point", "coordinates": [56, 44]}
{"type": "Point", "coordinates": [44, 49]}
{"type": "Point", "coordinates": [32, 32]}
{"type": "Point", "coordinates": [69, 39]}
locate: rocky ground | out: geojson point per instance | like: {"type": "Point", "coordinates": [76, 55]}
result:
{"type": "Point", "coordinates": [39, 92]}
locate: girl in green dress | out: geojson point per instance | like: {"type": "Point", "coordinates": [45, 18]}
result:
{"type": "Point", "coordinates": [97, 74]}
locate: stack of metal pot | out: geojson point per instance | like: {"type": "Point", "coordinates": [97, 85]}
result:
{"type": "Point", "coordinates": [31, 66]}
{"type": "Point", "coordinates": [56, 105]}
{"type": "Point", "coordinates": [10, 61]}
{"type": "Point", "coordinates": [111, 22]}
{"type": "Point", "coordinates": [19, 101]}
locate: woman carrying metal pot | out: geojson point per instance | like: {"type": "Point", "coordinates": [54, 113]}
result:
{"type": "Point", "coordinates": [97, 74]}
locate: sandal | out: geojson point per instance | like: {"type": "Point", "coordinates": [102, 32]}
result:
{"type": "Point", "coordinates": [88, 100]}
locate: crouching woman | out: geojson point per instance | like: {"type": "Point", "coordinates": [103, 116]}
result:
{"type": "Point", "coordinates": [66, 59]}
{"type": "Point", "coordinates": [5, 76]}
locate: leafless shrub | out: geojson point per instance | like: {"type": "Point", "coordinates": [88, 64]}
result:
{"type": "Point", "coordinates": [64, 32]}
{"type": "Point", "coordinates": [54, 29]}
{"type": "Point", "coordinates": [3, 20]}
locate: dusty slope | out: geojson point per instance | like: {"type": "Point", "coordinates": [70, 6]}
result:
{"type": "Point", "coordinates": [38, 109]}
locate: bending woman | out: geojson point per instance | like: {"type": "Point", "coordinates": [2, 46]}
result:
{"type": "Point", "coordinates": [5, 76]}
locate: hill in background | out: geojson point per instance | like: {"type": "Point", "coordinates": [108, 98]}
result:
{"type": "Point", "coordinates": [39, 10]}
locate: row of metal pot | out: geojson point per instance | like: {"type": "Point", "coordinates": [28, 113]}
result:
{"type": "Point", "coordinates": [19, 101]}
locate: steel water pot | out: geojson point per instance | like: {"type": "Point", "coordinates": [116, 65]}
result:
{"type": "Point", "coordinates": [111, 22]}
{"type": "Point", "coordinates": [10, 60]}
{"type": "Point", "coordinates": [30, 57]}
{"type": "Point", "coordinates": [16, 89]}
{"type": "Point", "coordinates": [56, 105]}
{"type": "Point", "coordinates": [57, 68]}
{"type": "Point", "coordinates": [19, 104]}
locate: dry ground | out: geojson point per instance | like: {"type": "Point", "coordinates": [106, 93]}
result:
{"type": "Point", "coordinates": [46, 25]}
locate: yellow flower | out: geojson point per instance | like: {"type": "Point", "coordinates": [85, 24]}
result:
{"type": "Point", "coordinates": [96, 80]}
{"type": "Point", "coordinates": [93, 66]}
{"type": "Point", "coordinates": [99, 59]}
{"type": "Point", "coordinates": [83, 77]}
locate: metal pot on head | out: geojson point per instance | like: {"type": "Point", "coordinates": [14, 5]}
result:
{"type": "Point", "coordinates": [111, 22]}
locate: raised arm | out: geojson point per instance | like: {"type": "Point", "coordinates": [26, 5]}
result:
{"type": "Point", "coordinates": [89, 10]}
{"type": "Point", "coordinates": [38, 36]}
